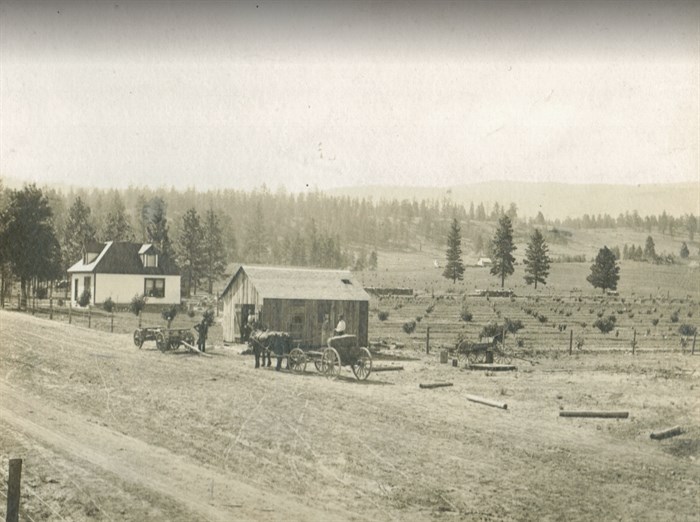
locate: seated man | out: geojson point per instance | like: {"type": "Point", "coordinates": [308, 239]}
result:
{"type": "Point", "coordinates": [340, 328]}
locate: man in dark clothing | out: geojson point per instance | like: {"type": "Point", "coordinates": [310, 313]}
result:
{"type": "Point", "coordinates": [202, 329]}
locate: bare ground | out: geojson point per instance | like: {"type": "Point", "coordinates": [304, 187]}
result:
{"type": "Point", "coordinates": [110, 432]}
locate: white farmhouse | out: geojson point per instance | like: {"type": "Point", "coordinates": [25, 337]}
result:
{"type": "Point", "coordinates": [122, 270]}
{"type": "Point", "coordinates": [484, 261]}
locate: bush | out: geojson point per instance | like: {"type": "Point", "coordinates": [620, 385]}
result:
{"type": "Point", "coordinates": [465, 315]}
{"type": "Point", "coordinates": [491, 330]}
{"type": "Point", "coordinates": [41, 292]}
{"type": "Point", "coordinates": [430, 309]}
{"type": "Point", "coordinates": [605, 325]}
{"type": "Point", "coordinates": [542, 318]}
{"type": "Point", "coordinates": [419, 318]}
{"type": "Point", "coordinates": [169, 313]}
{"type": "Point", "coordinates": [655, 321]}
{"type": "Point", "coordinates": [687, 330]}
{"type": "Point", "coordinates": [108, 305]}
{"type": "Point", "coordinates": [137, 304]}
{"type": "Point", "coordinates": [409, 327]}
{"type": "Point", "coordinates": [513, 326]}
{"type": "Point", "coordinates": [84, 298]}
{"type": "Point", "coordinates": [383, 315]}
{"type": "Point", "coordinates": [190, 313]}
{"type": "Point", "coordinates": [674, 317]}
{"type": "Point", "coordinates": [61, 302]}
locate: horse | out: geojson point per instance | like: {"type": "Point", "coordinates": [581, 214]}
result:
{"type": "Point", "coordinates": [265, 342]}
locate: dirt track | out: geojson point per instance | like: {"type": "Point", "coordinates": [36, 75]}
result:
{"type": "Point", "coordinates": [113, 433]}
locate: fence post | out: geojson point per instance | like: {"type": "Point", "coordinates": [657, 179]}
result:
{"type": "Point", "coordinates": [19, 300]}
{"type": "Point", "coordinates": [13, 490]}
{"type": "Point", "coordinates": [33, 305]}
{"type": "Point", "coordinates": [571, 341]}
{"type": "Point", "coordinates": [89, 316]}
{"type": "Point", "coordinates": [70, 312]}
{"type": "Point", "coordinates": [427, 340]}
{"type": "Point", "coordinates": [51, 308]}
{"type": "Point", "coordinates": [111, 323]}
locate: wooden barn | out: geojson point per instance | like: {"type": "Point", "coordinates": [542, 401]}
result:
{"type": "Point", "coordinates": [307, 303]}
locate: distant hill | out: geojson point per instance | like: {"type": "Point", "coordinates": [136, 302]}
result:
{"type": "Point", "coordinates": [554, 200]}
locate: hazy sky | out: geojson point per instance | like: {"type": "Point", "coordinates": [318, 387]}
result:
{"type": "Point", "coordinates": [236, 94]}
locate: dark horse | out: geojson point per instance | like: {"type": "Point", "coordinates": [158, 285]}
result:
{"type": "Point", "coordinates": [264, 343]}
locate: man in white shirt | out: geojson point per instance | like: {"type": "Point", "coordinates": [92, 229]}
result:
{"type": "Point", "coordinates": [340, 328]}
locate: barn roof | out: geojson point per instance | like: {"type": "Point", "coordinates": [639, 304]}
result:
{"type": "Point", "coordinates": [122, 257]}
{"type": "Point", "coordinates": [302, 283]}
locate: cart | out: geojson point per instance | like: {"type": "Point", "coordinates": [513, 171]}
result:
{"type": "Point", "coordinates": [165, 338]}
{"type": "Point", "coordinates": [341, 351]}
{"type": "Point", "coordinates": [482, 352]}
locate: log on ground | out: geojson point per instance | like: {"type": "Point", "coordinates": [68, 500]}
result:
{"type": "Point", "coordinates": [596, 414]}
{"type": "Point", "coordinates": [665, 434]}
{"type": "Point", "coordinates": [493, 367]}
{"type": "Point", "coordinates": [387, 369]}
{"type": "Point", "coordinates": [194, 349]}
{"type": "Point", "coordinates": [435, 385]}
{"type": "Point", "coordinates": [487, 402]}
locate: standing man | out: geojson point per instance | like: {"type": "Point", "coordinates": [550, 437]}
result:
{"type": "Point", "coordinates": [340, 328]}
{"type": "Point", "coordinates": [202, 329]}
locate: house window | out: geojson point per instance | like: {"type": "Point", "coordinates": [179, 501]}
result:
{"type": "Point", "coordinates": [149, 260]}
{"type": "Point", "coordinates": [154, 287]}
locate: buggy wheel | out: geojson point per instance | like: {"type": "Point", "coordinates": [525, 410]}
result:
{"type": "Point", "coordinates": [500, 357]}
{"type": "Point", "coordinates": [138, 338]}
{"type": "Point", "coordinates": [317, 364]}
{"type": "Point", "coordinates": [297, 360]}
{"type": "Point", "coordinates": [189, 338]}
{"type": "Point", "coordinates": [363, 366]}
{"type": "Point", "coordinates": [161, 342]}
{"type": "Point", "coordinates": [476, 357]}
{"type": "Point", "coordinates": [330, 363]}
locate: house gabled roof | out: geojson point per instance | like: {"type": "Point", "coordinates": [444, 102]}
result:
{"type": "Point", "coordinates": [302, 283]}
{"type": "Point", "coordinates": [122, 257]}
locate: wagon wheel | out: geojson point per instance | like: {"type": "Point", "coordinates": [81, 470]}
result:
{"type": "Point", "coordinates": [189, 338]}
{"type": "Point", "coordinates": [502, 357]}
{"type": "Point", "coordinates": [476, 356]}
{"type": "Point", "coordinates": [463, 353]}
{"type": "Point", "coordinates": [330, 363]}
{"type": "Point", "coordinates": [363, 366]}
{"type": "Point", "coordinates": [161, 342]}
{"type": "Point", "coordinates": [297, 360]}
{"type": "Point", "coordinates": [317, 364]}
{"type": "Point", "coordinates": [138, 338]}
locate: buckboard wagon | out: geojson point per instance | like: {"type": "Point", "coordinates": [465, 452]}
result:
{"type": "Point", "coordinates": [165, 338]}
{"type": "Point", "coordinates": [341, 351]}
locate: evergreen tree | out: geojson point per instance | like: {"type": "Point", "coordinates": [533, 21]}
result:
{"type": "Point", "coordinates": [256, 236]}
{"type": "Point", "coordinates": [685, 253]}
{"type": "Point", "coordinates": [454, 269]}
{"type": "Point", "coordinates": [478, 244]}
{"type": "Point", "coordinates": [157, 228]}
{"type": "Point", "coordinates": [79, 232]}
{"type": "Point", "coordinates": [373, 261]}
{"type": "Point", "coordinates": [28, 240]}
{"type": "Point", "coordinates": [503, 248]}
{"type": "Point", "coordinates": [650, 249]}
{"type": "Point", "coordinates": [539, 220]}
{"type": "Point", "coordinates": [692, 226]}
{"type": "Point", "coordinates": [190, 250]}
{"type": "Point", "coordinates": [117, 227]}
{"type": "Point", "coordinates": [214, 258]}
{"type": "Point", "coordinates": [604, 271]}
{"type": "Point", "coordinates": [536, 260]}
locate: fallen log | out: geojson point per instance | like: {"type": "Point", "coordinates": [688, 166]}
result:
{"type": "Point", "coordinates": [596, 414]}
{"type": "Point", "coordinates": [435, 385]}
{"type": "Point", "coordinates": [387, 368]}
{"type": "Point", "coordinates": [194, 349]}
{"type": "Point", "coordinates": [487, 402]}
{"type": "Point", "coordinates": [665, 434]}
{"type": "Point", "coordinates": [493, 367]}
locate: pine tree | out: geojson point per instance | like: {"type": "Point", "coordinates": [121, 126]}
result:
{"type": "Point", "coordinates": [685, 253]}
{"type": "Point", "coordinates": [256, 236]}
{"type": "Point", "coordinates": [604, 271]}
{"type": "Point", "coordinates": [503, 248]}
{"type": "Point", "coordinates": [650, 249]}
{"type": "Point", "coordinates": [454, 269]}
{"type": "Point", "coordinates": [117, 227]}
{"type": "Point", "coordinates": [214, 258]}
{"type": "Point", "coordinates": [79, 232]}
{"type": "Point", "coordinates": [157, 228]}
{"type": "Point", "coordinates": [190, 250]}
{"type": "Point", "coordinates": [373, 260]}
{"type": "Point", "coordinates": [536, 260]}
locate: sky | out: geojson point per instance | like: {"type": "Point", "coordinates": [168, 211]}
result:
{"type": "Point", "coordinates": [335, 94]}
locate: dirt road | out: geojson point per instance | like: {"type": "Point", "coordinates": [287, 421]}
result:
{"type": "Point", "coordinates": [115, 433]}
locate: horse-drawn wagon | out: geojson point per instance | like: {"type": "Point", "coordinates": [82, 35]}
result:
{"type": "Point", "coordinates": [489, 351]}
{"type": "Point", "coordinates": [341, 351]}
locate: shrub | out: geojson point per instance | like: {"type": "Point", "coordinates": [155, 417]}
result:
{"type": "Point", "coordinates": [41, 292]}
{"type": "Point", "coordinates": [84, 298]}
{"type": "Point", "coordinates": [137, 304]}
{"type": "Point", "coordinates": [430, 309]}
{"type": "Point", "coordinates": [542, 318]}
{"type": "Point", "coordinates": [605, 325]}
{"type": "Point", "coordinates": [61, 302]}
{"type": "Point", "coordinates": [419, 318]}
{"type": "Point", "coordinates": [513, 326]}
{"type": "Point", "coordinates": [674, 317]}
{"type": "Point", "coordinates": [520, 343]}
{"type": "Point", "coordinates": [655, 321]}
{"type": "Point", "coordinates": [491, 330]}
{"type": "Point", "coordinates": [687, 330]}
{"type": "Point", "coordinates": [580, 341]}
{"type": "Point", "coordinates": [383, 315]}
{"type": "Point", "coordinates": [409, 327]}
{"type": "Point", "coordinates": [465, 314]}
{"type": "Point", "coordinates": [108, 305]}
{"type": "Point", "coordinates": [169, 313]}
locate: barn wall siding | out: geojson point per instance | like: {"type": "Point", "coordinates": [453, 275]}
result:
{"type": "Point", "coordinates": [241, 292]}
